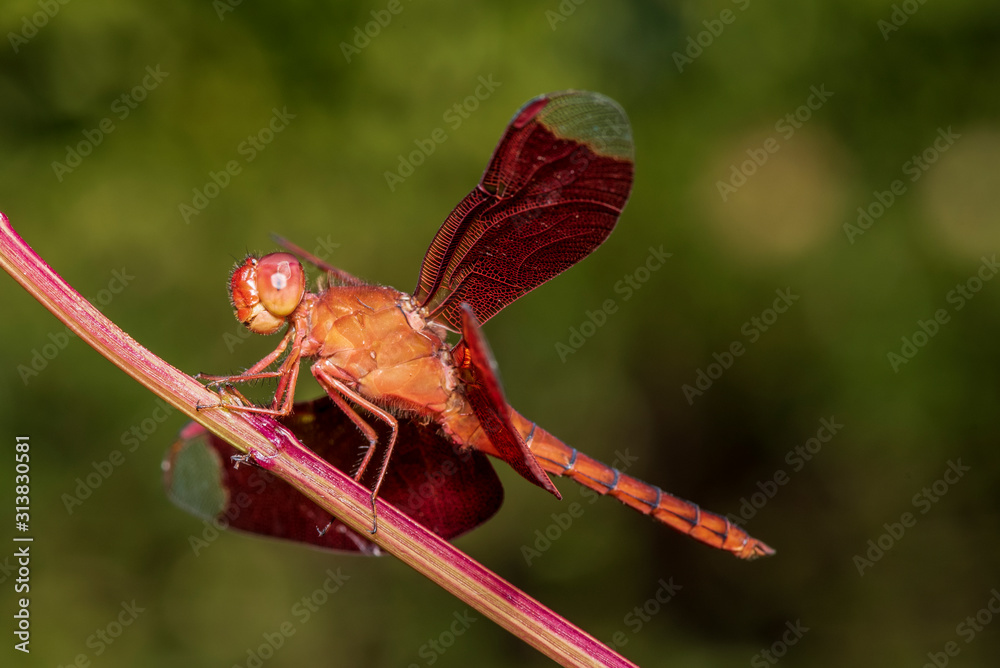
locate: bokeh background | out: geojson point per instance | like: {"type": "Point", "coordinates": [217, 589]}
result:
{"type": "Point", "coordinates": [707, 86]}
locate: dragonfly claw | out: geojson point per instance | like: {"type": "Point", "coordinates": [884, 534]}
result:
{"type": "Point", "coordinates": [374, 517]}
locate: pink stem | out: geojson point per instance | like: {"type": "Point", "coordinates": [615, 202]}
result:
{"type": "Point", "coordinates": [277, 450]}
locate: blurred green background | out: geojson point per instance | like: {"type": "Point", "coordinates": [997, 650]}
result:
{"type": "Point", "coordinates": [708, 87]}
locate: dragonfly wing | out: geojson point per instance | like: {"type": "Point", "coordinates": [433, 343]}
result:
{"type": "Point", "coordinates": [446, 491]}
{"type": "Point", "coordinates": [552, 193]}
{"type": "Point", "coordinates": [485, 396]}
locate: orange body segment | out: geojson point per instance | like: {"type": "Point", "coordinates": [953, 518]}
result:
{"type": "Point", "coordinates": [685, 516]}
{"type": "Point", "coordinates": [364, 337]}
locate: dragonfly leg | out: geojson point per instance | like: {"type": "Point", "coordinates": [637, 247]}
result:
{"type": "Point", "coordinates": [287, 376]}
{"type": "Point", "coordinates": [230, 398]}
{"type": "Point", "coordinates": [239, 378]}
{"type": "Point", "coordinates": [338, 391]}
{"type": "Point", "coordinates": [359, 422]}
{"type": "Point", "coordinates": [257, 370]}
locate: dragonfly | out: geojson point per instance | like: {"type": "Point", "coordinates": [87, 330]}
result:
{"type": "Point", "coordinates": [553, 191]}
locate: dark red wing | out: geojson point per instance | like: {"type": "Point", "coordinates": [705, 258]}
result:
{"type": "Point", "coordinates": [485, 395]}
{"type": "Point", "coordinates": [446, 491]}
{"type": "Point", "coordinates": [552, 193]}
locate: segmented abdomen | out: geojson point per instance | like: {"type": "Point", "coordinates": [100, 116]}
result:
{"type": "Point", "coordinates": [559, 459]}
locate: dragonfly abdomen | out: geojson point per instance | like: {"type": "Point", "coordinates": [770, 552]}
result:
{"type": "Point", "coordinates": [559, 459]}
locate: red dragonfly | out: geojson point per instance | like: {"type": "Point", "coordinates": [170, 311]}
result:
{"type": "Point", "coordinates": [551, 194]}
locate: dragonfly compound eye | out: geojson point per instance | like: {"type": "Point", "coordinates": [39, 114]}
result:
{"type": "Point", "coordinates": [265, 291]}
{"type": "Point", "coordinates": [280, 283]}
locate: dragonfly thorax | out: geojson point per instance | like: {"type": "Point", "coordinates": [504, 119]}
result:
{"type": "Point", "coordinates": [372, 339]}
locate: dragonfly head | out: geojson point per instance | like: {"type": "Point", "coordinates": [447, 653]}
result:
{"type": "Point", "coordinates": [264, 292]}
